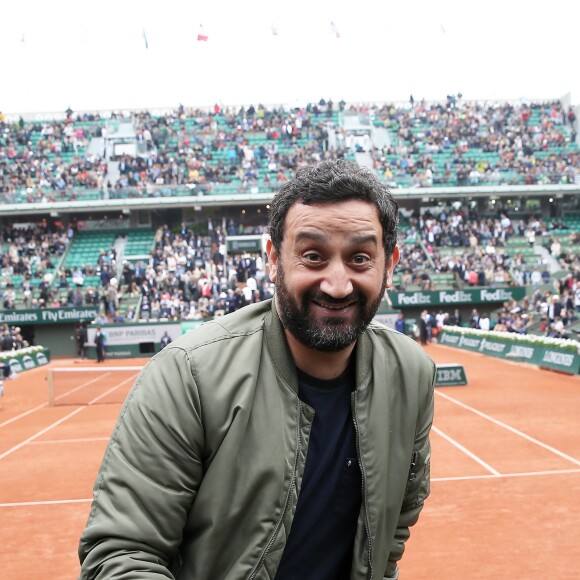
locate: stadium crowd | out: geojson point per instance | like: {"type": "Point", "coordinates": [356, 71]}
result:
{"type": "Point", "coordinates": [33, 158]}
{"type": "Point", "coordinates": [11, 338]}
{"type": "Point", "coordinates": [255, 148]}
{"type": "Point", "coordinates": [479, 257]}
{"type": "Point", "coordinates": [528, 148]}
{"type": "Point", "coordinates": [196, 148]}
{"type": "Point", "coordinates": [189, 275]}
{"type": "Point", "coordinates": [186, 277]}
{"type": "Point", "coordinates": [27, 262]}
{"type": "Point", "coordinates": [177, 148]}
{"type": "Point", "coordinates": [482, 257]}
{"type": "Point", "coordinates": [475, 251]}
{"type": "Point", "coordinates": [543, 312]}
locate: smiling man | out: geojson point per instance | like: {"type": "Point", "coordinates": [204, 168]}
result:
{"type": "Point", "coordinates": [337, 274]}
{"type": "Point", "coordinates": [289, 440]}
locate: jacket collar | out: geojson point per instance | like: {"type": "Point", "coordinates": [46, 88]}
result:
{"type": "Point", "coordinates": [279, 349]}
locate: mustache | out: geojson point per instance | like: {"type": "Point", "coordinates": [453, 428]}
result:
{"type": "Point", "coordinates": [322, 297]}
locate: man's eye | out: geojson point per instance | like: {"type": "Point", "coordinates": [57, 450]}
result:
{"type": "Point", "coordinates": [360, 260]}
{"type": "Point", "coordinates": [312, 257]}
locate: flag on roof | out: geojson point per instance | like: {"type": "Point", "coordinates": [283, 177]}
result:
{"type": "Point", "coordinates": [201, 35]}
{"type": "Point", "coordinates": [334, 30]}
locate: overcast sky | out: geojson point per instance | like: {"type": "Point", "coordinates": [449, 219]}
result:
{"type": "Point", "coordinates": [92, 55]}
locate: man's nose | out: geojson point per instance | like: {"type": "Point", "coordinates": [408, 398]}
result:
{"type": "Point", "coordinates": [337, 282]}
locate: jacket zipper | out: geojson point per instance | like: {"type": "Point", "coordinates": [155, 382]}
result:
{"type": "Point", "coordinates": [364, 494]}
{"type": "Point", "coordinates": [414, 459]}
{"type": "Point", "coordinates": [287, 504]}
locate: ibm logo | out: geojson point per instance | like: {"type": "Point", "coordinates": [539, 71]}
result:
{"type": "Point", "coordinates": [449, 375]}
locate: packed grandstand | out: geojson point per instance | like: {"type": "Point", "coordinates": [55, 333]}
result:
{"type": "Point", "coordinates": [160, 215]}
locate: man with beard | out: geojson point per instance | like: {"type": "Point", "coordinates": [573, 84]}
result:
{"type": "Point", "coordinates": [289, 439]}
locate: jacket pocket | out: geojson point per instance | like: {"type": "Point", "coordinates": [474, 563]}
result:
{"type": "Point", "coordinates": [419, 479]}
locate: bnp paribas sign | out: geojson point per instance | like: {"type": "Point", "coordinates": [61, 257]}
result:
{"type": "Point", "coordinates": [453, 297]}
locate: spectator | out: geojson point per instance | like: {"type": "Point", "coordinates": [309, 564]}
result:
{"type": "Point", "coordinates": [400, 323]}
{"type": "Point", "coordinates": [484, 322]}
{"type": "Point", "coordinates": [82, 339]}
{"type": "Point", "coordinates": [165, 340]}
{"type": "Point", "coordinates": [7, 342]}
{"type": "Point", "coordinates": [100, 344]}
{"type": "Point", "coordinates": [474, 320]}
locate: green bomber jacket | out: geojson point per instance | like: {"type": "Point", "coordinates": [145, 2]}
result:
{"type": "Point", "coordinates": [202, 474]}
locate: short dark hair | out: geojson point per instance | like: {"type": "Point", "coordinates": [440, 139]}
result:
{"type": "Point", "coordinates": [334, 181]}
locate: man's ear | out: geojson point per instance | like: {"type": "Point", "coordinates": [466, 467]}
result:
{"type": "Point", "coordinates": [391, 263]}
{"type": "Point", "coordinates": [272, 260]}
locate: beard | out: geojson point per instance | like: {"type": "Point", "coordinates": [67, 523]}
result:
{"type": "Point", "coordinates": [333, 333]}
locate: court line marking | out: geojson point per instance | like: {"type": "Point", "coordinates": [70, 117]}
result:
{"type": "Point", "coordinates": [502, 475]}
{"type": "Point", "coordinates": [42, 432]}
{"type": "Point", "coordinates": [97, 369]}
{"type": "Point", "coordinates": [470, 454]}
{"type": "Point", "coordinates": [510, 428]}
{"type": "Point", "coordinates": [433, 479]}
{"type": "Point", "coordinates": [47, 502]}
{"type": "Point", "coordinates": [113, 389]}
{"type": "Point", "coordinates": [79, 440]}
{"type": "Point", "coordinates": [86, 384]}
{"type": "Point", "coordinates": [45, 405]}
{"type": "Point", "coordinates": [63, 419]}
{"type": "Point", "coordinates": [24, 414]}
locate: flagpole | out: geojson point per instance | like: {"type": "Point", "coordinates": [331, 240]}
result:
{"type": "Point", "coordinates": [145, 66]}
{"type": "Point", "coordinates": [202, 39]}
{"type": "Point", "coordinates": [26, 73]}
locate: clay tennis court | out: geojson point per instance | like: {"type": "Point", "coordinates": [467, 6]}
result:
{"type": "Point", "coordinates": [505, 497]}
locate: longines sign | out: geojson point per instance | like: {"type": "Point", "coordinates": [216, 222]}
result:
{"type": "Point", "coordinates": [537, 354]}
{"type": "Point", "coordinates": [23, 361]}
{"type": "Point", "coordinates": [452, 297]}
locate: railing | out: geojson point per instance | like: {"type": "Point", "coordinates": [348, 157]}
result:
{"type": "Point", "coordinates": [234, 188]}
{"type": "Point", "coordinates": [505, 178]}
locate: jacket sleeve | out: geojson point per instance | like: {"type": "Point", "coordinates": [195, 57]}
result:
{"type": "Point", "coordinates": [418, 483]}
{"type": "Point", "coordinates": [149, 477]}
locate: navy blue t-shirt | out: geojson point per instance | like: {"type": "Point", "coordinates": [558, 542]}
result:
{"type": "Point", "coordinates": [321, 540]}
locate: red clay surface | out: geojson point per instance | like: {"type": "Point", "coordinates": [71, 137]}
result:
{"type": "Point", "coordinates": [505, 475]}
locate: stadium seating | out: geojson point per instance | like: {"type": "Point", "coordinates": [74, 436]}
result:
{"type": "Point", "coordinates": [468, 137]}
{"type": "Point", "coordinates": [228, 152]}
{"type": "Point", "coordinates": [426, 137]}
{"type": "Point", "coordinates": [138, 243]}
{"type": "Point", "coordinates": [87, 247]}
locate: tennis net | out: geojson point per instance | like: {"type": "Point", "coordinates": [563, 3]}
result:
{"type": "Point", "coordinates": [90, 386]}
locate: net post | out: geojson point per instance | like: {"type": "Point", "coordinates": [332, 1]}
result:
{"type": "Point", "coordinates": [50, 378]}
